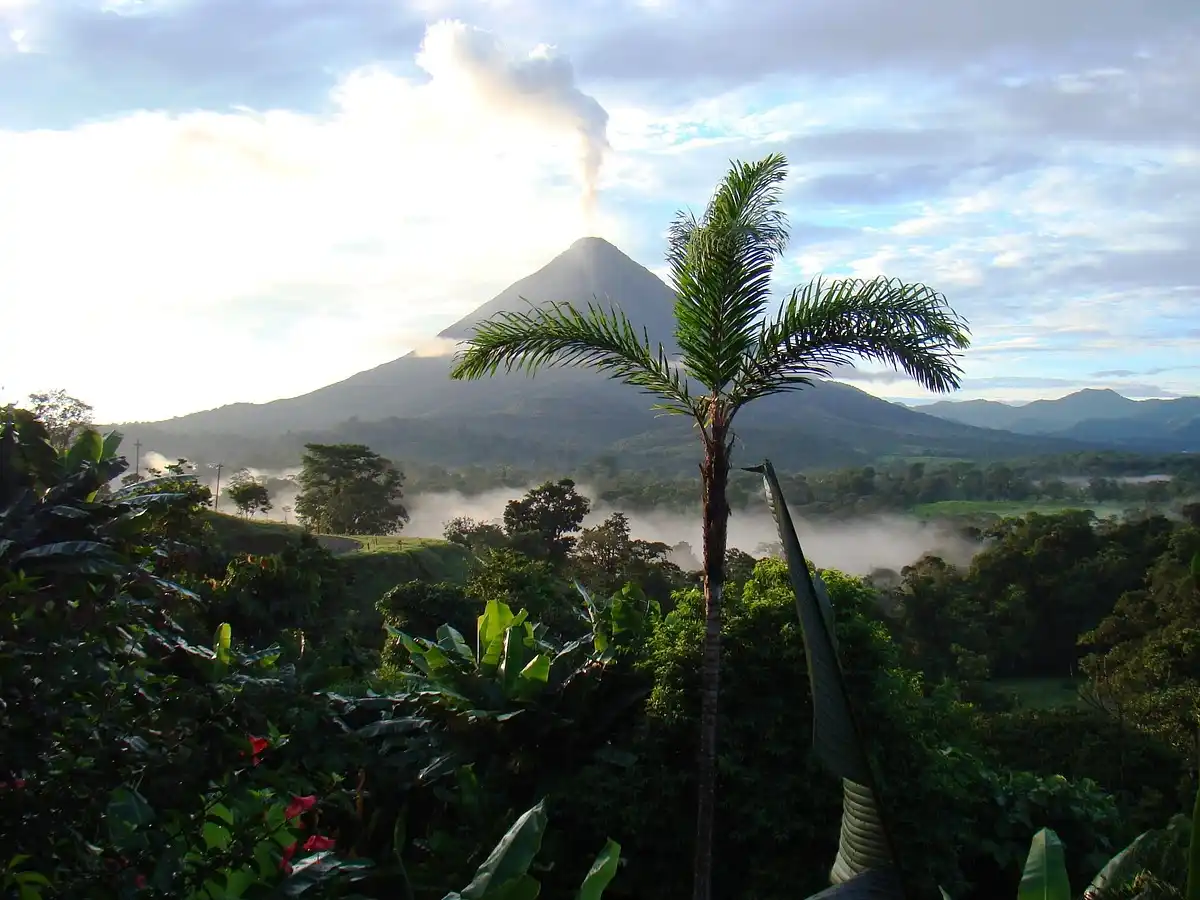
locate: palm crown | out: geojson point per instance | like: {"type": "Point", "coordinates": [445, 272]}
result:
{"type": "Point", "coordinates": [720, 267]}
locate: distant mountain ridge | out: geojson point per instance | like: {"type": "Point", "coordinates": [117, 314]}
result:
{"type": "Point", "coordinates": [410, 409]}
{"type": "Point", "coordinates": [1093, 415]}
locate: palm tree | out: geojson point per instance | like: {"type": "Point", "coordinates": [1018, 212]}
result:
{"type": "Point", "coordinates": [731, 352]}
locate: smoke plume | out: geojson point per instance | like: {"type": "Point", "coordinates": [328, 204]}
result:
{"type": "Point", "coordinates": [540, 87]}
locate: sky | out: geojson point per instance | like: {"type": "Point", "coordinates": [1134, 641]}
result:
{"type": "Point", "coordinates": [210, 201]}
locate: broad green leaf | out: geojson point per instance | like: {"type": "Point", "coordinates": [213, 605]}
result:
{"type": "Point", "coordinates": [321, 867]}
{"type": "Point", "coordinates": [452, 641]}
{"type": "Point", "coordinates": [1045, 875]}
{"type": "Point", "coordinates": [601, 873]}
{"type": "Point", "coordinates": [69, 549]}
{"type": "Point", "coordinates": [216, 835]}
{"type": "Point", "coordinates": [1118, 870]}
{"type": "Point", "coordinates": [433, 661]}
{"type": "Point", "coordinates": [88, 448]}
{"type": "Point", "coordinates": [490, 657]}
{"type": "Point", "coordinates": [222, 640]}
{"type": "Point", "coordinates": [403, 725]}
{"type": "Point", "coordinates": [112, 442]}
{"type": "Point", "coordinates": [496, 619]}
{"type": "Point", "coordinates": [523, 887]}
{"type": "Point", "coordinates": [511, 857]}
{"type": "Point", "coordinates": [516, 656]}
{"type": "Point", "coordinates": [538, 669]}
{"type": "Point", "coordinates": [126, 814]}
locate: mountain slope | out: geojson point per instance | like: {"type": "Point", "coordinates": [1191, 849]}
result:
{"type": "Point", "coordinates": [1093, 416]}
{"type": "Point", "coordinates": [409, 408]}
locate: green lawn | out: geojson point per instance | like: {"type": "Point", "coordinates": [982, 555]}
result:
{"type": "Point", "coordinates": [385, 562]}
{"type": "Point", "coordinates": [1040, 693]}
{"type": "Point", "coordinates": [259, 536]}
{"type": "Point", "coordinates": [376, 563]}
{"type": "Point", "coordinates": [430, 558]}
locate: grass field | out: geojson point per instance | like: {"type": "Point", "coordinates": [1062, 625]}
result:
{"type": "Point", "coordinates": [953, 509]}
{"type": "Point", "coordinates": [376, 563]}
{"type": "Point", "coordinates": [1040, 693]}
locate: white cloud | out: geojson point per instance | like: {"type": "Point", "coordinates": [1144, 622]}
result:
{"type": "Point", "coordinates": [275, 234]}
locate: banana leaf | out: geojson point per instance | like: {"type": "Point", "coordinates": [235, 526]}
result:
{"type": "Point", "coordinates": [1117, 872]}
{"type": "Point", "coordinates": [866, 863]}
{"type": "Point", "coordinates": [1045, 875]}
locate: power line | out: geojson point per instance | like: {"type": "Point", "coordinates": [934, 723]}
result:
{"type": "Point", "coordinates": [217, 497]}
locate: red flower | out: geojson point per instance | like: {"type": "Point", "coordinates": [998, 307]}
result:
{"type": "Point", "coordinates": [299, 806]}
{"type": "Point", "coordinates": [285, 862]}
{"type": "Point", "coordinates": [257, 746]}
{"type": "Point", "coordinates": [140, 881]}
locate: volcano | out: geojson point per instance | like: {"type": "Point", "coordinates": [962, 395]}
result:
{"type": "Point", "coordinates": [410, 409]}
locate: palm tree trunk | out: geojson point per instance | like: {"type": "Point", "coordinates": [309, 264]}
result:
{"type": "Point", "coordinates": [714, 478]}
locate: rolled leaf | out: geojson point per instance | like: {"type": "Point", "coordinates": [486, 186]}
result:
{"type": "Point", "coordinates": [864, 845]}
{"type": "Point", "coordinates": [874, 884]}
{"type": "Point", "coordinates": [1193, 875]}
{"type": "Point", "coordinates": [835, 737]}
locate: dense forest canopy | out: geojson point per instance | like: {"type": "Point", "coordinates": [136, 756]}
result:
{"type": "Point", "coordinates": [295, 690]}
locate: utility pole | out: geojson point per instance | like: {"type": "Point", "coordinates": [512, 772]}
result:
{"type": "Point", "coordinates": [137, 460]}
{"type": "Point", "coordinates": [217, 497]}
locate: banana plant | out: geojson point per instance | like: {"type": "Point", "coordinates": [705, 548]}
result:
{"type": "Point", "coordinates": [504, 875]}
{"type": "Point", "coordinates": [511, 661]}
{"type": "Point", "coordinates": [866, 865]}
{"type": "Point", "coordinates": [618, 621]}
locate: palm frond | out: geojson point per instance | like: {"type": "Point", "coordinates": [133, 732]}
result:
{"type": "Point", "coordinates": [721, 265]}
{"type": "Point", "coordinates": [561, 335]}
{"type": "Point", "coordinates": [830, 324]}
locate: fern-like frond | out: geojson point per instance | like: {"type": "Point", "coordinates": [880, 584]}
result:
{"type": "Point", "coordinates": [561, 335]}
{"type": "Point", "coordinates": [827, 325]}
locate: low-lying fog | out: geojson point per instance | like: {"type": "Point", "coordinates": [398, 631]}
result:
{"type": "Point", "coordinates": [855, 546]}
